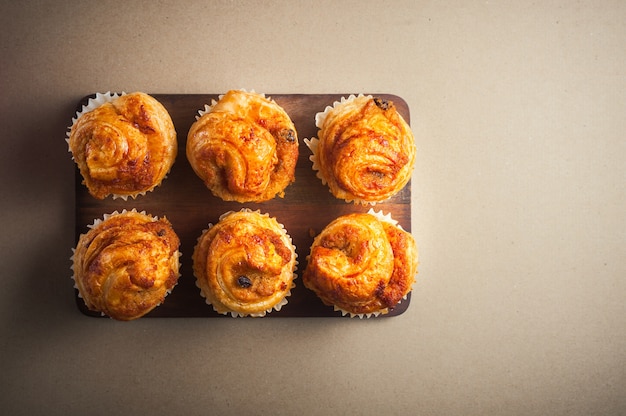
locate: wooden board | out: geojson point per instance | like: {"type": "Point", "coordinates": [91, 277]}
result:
{"type": "Point", "coordinates": [306, 208]}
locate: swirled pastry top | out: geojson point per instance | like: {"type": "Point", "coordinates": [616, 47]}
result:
{"type": "Point", "coordinates": [124, 147]}
{"type": "Point", "coordinates": [361, 265]}
{"type": "Point", "coordinates": [244, 265]}
{"type": "Point", "coordinates": [245, 148]}
{"type": "Point", "coordinates": [366, 151]}
{"type": "Point", "coordinates": [125, 265]}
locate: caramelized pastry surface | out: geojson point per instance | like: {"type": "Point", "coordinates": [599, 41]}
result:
{"type": "Point", "coordinates": [366, 150]}
{"type": "Point", "coordinates": [124, 147]}
{"type": "Point", "coordinates": [244, 264]}
{"type": "Point", "coordinates": [245, 148]}
{"type": "Point", "coordinates": [361, 265]}
{"type": "Point", "coordinates": [126, 265]}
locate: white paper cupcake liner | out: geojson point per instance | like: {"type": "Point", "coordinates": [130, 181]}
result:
{"type": "Point", "coordinates": [321, 116]}
{"type": "Point", "coordinates": [356, 315]}
{"type": "Point", "coordinates": [209, 107]}
{"type": "Point", "coordinates": [384, 217]}
{"type": "Point", "coordinates": [371, 314]}
{"type": "Point", "coordinates": [92, 104]}
{"type": "Point", "coordinates": [276, 307]}
{"type": "Point", "coordinates": [98, 221]}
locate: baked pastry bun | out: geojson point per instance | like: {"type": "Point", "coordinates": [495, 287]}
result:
{"type": "Point", "coordinates": [364, 151]}
{"type": "Point", "coordinates": [125, 146]}
{"type": "Point", "coordinates": [126, 264]}
{"type": "Point", "coordinates": [244, 265]}
{"type": "Point", "coordinates": [362, 264]}
{"type": "Point", "coordinates": [244, 147]}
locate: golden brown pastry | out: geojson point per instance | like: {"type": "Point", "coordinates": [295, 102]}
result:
{"type": "Point", "coordinates": [361, 265]}
{"type": "Point", "coordinates": [125, 265]}
{"type": "Point", "coordinates": [124, 147]}
{"type": "Point", "coordinates": [365, 151]}
{"type": "Point", "coordinates": [244, 265]}
{"type": "Point", "coordinates": [245, 148]}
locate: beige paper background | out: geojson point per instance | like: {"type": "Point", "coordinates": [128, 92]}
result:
{"type": "Point", "coordinates": [519, 111]}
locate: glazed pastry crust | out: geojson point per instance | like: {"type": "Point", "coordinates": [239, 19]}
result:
{"type": "Point", "coordinates": [245, 148]}
{"type": "Point", "coordinates": [244, 264]}
{"type": "Point", "coordinates": [366, 150]}
{"type": "Point", "coordinates": [125, 265]}
{"type": "Point", "coordinates": [124, 147]}
{"type": "Point", "coordinates": [361, 265]}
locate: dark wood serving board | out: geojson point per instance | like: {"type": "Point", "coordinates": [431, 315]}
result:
{"type": "Point", "coordinates": [306, 208]}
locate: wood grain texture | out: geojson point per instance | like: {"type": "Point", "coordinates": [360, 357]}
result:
{"type": "Point", "coordinates": [307, 207]}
